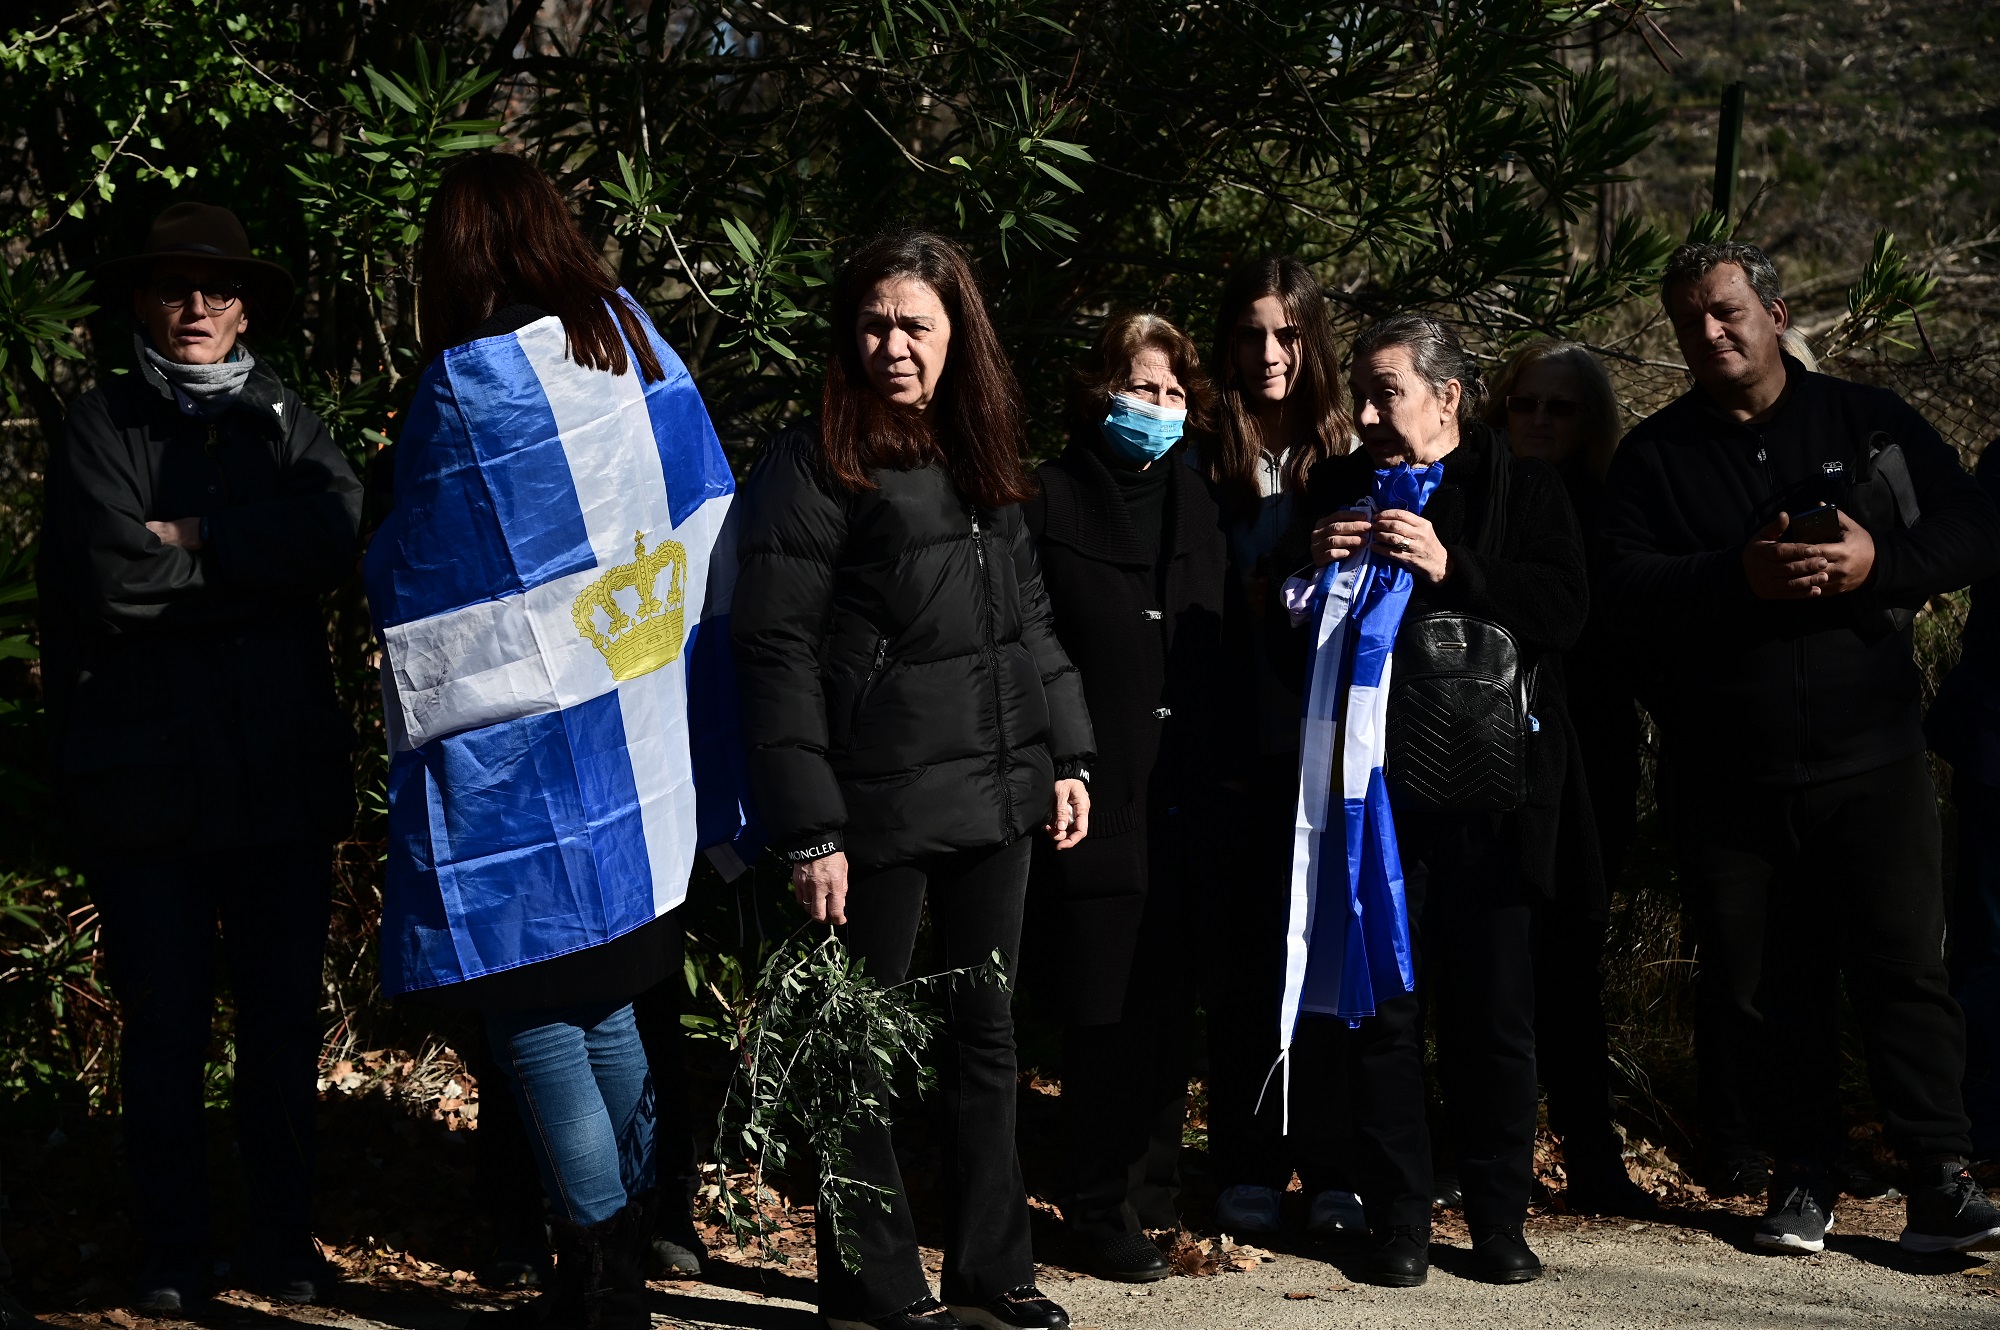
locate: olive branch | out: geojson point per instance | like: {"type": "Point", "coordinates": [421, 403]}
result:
{"type": "Point", "coordinates": [820, 1048]}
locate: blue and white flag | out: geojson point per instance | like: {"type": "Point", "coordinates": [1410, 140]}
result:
{"type": "Point", "coordinates": [1347, 940]}
{"type": "Point", "coordinates": [552, 597]}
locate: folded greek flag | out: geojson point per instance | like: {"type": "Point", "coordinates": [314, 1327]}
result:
{"type": "Point", "coordinates": [1347, 941]}
{"type": "Point", "coordinates": [552, 596]}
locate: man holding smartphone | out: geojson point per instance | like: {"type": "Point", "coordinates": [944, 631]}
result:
{"type": "Point", "coordinates": [1770, 533]}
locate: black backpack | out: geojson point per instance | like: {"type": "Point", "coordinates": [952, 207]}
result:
{"type": "Point", "coordinates": [1461, 707]}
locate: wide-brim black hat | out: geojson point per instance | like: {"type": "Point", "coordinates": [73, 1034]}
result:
{"type": "Point", "coordinates": [202, 231]}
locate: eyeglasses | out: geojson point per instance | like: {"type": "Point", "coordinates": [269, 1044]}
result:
{"type": "Point", "coordinates": [217, 294]}
{"type": "Point", "coordinates": [1559, 408]}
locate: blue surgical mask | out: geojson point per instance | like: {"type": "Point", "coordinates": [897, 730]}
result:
{"type": "Point", "coordinates": [1140, 431]}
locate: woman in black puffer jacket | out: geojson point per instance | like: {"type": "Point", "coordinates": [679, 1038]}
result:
{"type": "Point", "coordinates": [911, 718]}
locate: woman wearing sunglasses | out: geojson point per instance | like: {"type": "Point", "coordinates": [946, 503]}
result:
{"type": "Point", "coordinates": [1554, 402]}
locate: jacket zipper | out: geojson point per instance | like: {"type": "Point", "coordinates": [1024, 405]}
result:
{"type": "Point", "coordinates": [881, 654]}
{"type": "Point", "coordinates": [1799, 645]}
{"type": "Point", "coordinates": [993, 672]}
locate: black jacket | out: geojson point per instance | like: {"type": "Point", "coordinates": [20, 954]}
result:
{"type": "Point", "coordinates": [903, 691]}
{"type": "Point", "coordinates": [1537, 588]}
{"type": "Point", "coordinates": [190, 693]}
{"type": "Point", "coordinates": [1964, 722]}
{"type": "Point", "coordinates": [1166, 676]}
{"type": "Point", "coordinates": [1783, 692]}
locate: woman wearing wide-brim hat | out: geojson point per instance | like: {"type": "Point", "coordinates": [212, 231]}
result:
{"type": "Point", "coordinates": [196, 512]}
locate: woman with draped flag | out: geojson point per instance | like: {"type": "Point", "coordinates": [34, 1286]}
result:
{"type": "Point", "coordinates": [552, 593]}
{"type": "Point", "coordinates": [1434, 761]}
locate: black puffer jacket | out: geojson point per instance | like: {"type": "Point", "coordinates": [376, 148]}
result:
{"type": "Point", "coordinates": [903, 690]}
{"type": "Point", "coordinates": [191, 692]}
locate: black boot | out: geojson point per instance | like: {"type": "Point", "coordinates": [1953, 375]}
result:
{"type": "Point", "coordinates": [1400, 1257]}
{"type": "Point", "coordinates": [1502, 1256]}
{"type": "Point", "coordinates": [598, 1282]}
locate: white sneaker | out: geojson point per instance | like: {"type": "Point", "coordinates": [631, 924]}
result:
{"type": "Point", "coordinates": [1336, 1214]}
{"type": "Point", "coordinates": [1245, 1209]}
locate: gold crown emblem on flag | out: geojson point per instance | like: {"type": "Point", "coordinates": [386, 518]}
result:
{"type": "Point", "coordinates": [640, 640]}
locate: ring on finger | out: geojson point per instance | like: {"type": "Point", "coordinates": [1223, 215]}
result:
{"type": "Point", "coordinates": [1402, 544]}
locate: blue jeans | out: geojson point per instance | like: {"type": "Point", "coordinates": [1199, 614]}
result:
{"type": "Point", "coordinates": [1975, 954]}
{"type": "Point", "coordinates": [160, 946]}
{"type": "Point", "coordinates": [586, 1098]}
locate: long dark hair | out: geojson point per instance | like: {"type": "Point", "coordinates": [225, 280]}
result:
{"type": "Point", "coordinates": [1236, 456]}
{"type": "Point", "coordinates": [1119, 343]}
{"type": "Point", "coordinates": [973, 425]}
{"type": "Point", "coordinates": [497, 234]}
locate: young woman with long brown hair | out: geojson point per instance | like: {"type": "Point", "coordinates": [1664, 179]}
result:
{"type": "Point", "coordinates": [912, 722]}
{"type": "Point", "coordinates": [1280, 411]}
{"type": "Point", "coordinates": [543, 921]}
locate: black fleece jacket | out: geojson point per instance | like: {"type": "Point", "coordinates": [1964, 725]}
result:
{"type": "Point", "coordinates": [1782, 692]}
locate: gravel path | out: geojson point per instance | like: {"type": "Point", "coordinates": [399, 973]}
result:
{"type": "Point", "coordinates": [1602, 1275]}
{"type": "Point", "coordinates": [1608, 1275]}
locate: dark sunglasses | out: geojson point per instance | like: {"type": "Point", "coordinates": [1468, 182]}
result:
{"type": "Point", "coordinates": [216, 293]}
{"type": "Point", "coordinates": [1560, 408]}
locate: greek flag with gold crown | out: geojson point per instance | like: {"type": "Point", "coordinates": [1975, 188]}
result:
{"type": "Point", "coordinates": [552, 597]}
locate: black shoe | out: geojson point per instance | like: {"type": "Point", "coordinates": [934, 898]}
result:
{"type": "Point", "coordinates": [1740, 1175]}
{"type": "Point", "coordinates": [1445, 1189]}
{"type": "Point", "coordinates": [1024, 1308]}
{"type": "Point", "coordinates": [598, 1279]}
{"type": "Point", "coordinates": [1502, 1256]}
{"type": "Point", "coordinates": [1949, 1212]}
{"type": "Point", "coordinates": [923, 1314]}
{"type": "Point", "coordinates": [1799, 1216]}
{"type": "Point", "coordinates": [171, 1283]}
{"type": "Point", "coordinates": [297, 1281]}
{"type": "Point", "coordinates": [1400, 1257]}
{"type": "Point", "coordinates": [1132, 1258]}
{"type": "Point", "coordinates": [674, 1250]}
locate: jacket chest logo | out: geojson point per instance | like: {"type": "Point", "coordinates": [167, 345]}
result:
{"type": "Point", "coordinates": [625, 615]}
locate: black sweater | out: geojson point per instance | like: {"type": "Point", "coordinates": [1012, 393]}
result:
{"type": "Point", "coordinates": [1772, 691]}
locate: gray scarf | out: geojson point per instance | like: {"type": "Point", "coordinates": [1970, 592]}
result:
{"type": "Point", "coordinates": [204, 390]}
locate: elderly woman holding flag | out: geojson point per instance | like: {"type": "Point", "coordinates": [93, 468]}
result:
{"type": "Point", "coordinates": [1450, 575]}
{"type": "Point", "coordinates": [557, 692]}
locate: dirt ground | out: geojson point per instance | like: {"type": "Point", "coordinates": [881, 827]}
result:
{"type": "Point", "coordinates": [397, 1215]}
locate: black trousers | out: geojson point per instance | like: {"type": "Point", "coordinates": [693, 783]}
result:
{"type": "Point", "coordinates": [1475, 941]}
{"type": "Point", "coordinates": [160, 945]}
{"type": "Point", "coordinates": [1796, 888]}
{"type": "Point", "coordinates": [1473, 933]}
{"type": "Point", "coordinates": [976, 899]}
{"type": "Point", "coordinates": [1242, 978]}
{"type": "Point", "coordinates": [1124, 1098]}
{"type": "Point", "coordinates": [1572, 1053]}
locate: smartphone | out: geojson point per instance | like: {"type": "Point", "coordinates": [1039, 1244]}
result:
{"type": "Point", "coordinates": [1815, 526]}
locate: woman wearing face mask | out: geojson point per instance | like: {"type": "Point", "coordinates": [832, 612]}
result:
{"type": "Point", "coordinates": [1555, 403]}
{"type": "Point", "coordinates": [1278, 413]}
{"type": "Point", "coordinates": [1495, 541]}
{"type": "Point", "coordinates": [1136, 566]}
{"type": "Point", "coordinates": [912, 722]}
